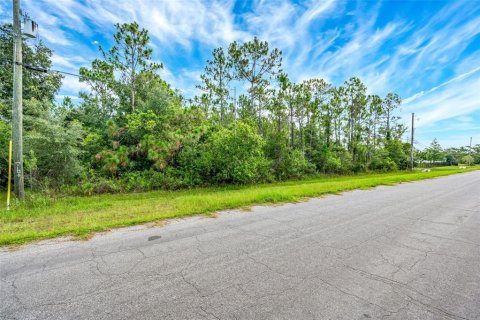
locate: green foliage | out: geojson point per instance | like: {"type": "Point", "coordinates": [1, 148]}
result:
{"type": "Point", "coordinates": [255, 63]}
{"type": "Point", "coordinates": [5, 134]}
{"type": "Point", "coordinates": [92, 145]}
{"type": "Point", "coordinates": [233, 155]}
{"type": "Point", "coordinates": [451, 160]}
{"type": "Point", "coordinates": [52, 146]}
{"type": "Point", "coordinates": [39, 85]}
{"type": "Point", "coordinates": [215, 80]}
{"type": "Point", "coordinates": [160, 98]}
{"type": "Point", "coordinates": [475, 151]}
{"type": "Point", "coordinates": [382, 162]}
{"type": "Point", "coordinates": [294, 166]}
{"type": "Point", "coordinates": [454, 155]}
{"type": "Point", "coordinates": [434, 152]}
{"type": "Point", "coordinates": [132, 131]}
{"type": "Point", "coordinates": [390, 103]}
{"type": "Point", "coordinates": [468, 159]}
{"type": "Point", "coordinates": [119, 80]}
{"type": "Point", "coordinates": [397, 152]}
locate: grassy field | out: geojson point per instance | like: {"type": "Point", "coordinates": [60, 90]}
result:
{"type": "Point", "coordinates": [82, 216]}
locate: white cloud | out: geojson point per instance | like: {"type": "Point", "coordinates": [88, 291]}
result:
{"type": "Point", "coordinates": [185, 80]}
{"type": "Point", "coordinates": [71, 63]}
{"type": "Point", "coordinates": [446, 83]}
{"type": "Point", "coordinates": [71, 85]}
{"type": "Point", "coordinates": [169, 22]}
{"type": "Point", "coordinates": [450, 112]}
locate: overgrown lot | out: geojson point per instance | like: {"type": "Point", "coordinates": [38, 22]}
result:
{"type": "Point", "coordinates": [81, 216]}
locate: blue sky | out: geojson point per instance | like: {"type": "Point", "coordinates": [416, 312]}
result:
{"type": "Point", "coordinates": [427, 51]}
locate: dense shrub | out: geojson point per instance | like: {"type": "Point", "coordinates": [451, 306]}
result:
{"type": "Point", "coordinates": [397, 152]}
{"type": "Point", "coordinates": [294, 165]}
{"type": "Point", "coordinates": [233, 155]}
{"type": "Point", "coordinates": [382, 162]}
{"type": "Point", "coordinates": [52, 146]}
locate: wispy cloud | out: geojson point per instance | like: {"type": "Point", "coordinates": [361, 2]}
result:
{"type": "Point", "coordinates": [69, 63]}
{"type": "Point", "coordinates": [446, 83]}
{"type": "Point", "coordinates": [169, 22]}
{"type": "Point", "coordinates": [454, 99]}
{"type": "Point", "coordinates": [71, 84]}
{"type": "Point", "coordinates": [449, 111]}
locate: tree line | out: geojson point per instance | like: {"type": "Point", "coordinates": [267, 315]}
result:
{"type": "Point", "coordinates": [250, 122]}
{"type": "Point", "coordinates": [434, 154]}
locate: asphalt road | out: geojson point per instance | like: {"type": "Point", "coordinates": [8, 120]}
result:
{"type": "Point", "coordinates": [410, 251]}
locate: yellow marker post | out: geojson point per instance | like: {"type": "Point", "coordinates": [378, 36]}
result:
{"type": "Point", "coordinates": [9, 173]}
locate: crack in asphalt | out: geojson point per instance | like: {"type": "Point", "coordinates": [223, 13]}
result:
{"type": "Point", "coordinates": [405, 287]}
{"type": "Point", "coordinates": [224, 268]}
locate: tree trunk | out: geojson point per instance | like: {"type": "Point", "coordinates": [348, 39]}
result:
{"type": "Point", "coordinates": [291, 125]}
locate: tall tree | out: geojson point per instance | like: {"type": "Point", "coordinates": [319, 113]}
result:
{"type": "Point", "coordinates": [355, 99]}
{"type": "Point", "coordinates": [101, 80]}
{"type": "Point", "coordinates": [255, 63]}
{"type": "Point", "coordinates": [337, 109]}
{"type": "Point", "coordinates": [435, 151]}
{"type": "Point", "coordinates": [302, 99]}
{"type": "Point", "coordinates": [215, 80]}
{"type": "Point", "coordinates": [130, 56]}
{"type": "Point", "coordinates": [391, 102]}
{"type": "Point", "coordinates": [375, 110]}
{"type": "Point", "coordinates": [374, 113]}
{"type": "Point", "coordinates": [286, 97]}
{"type": "Point", "coordinates": [319, 107]}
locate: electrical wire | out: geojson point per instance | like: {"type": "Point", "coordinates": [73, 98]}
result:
{"type": "Point", "coordinates": [39, 69]}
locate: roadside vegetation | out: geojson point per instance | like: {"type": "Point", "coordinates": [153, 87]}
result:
{"type": "Point", "coordinates": [249, 129]}
{"type": "Point", "coordinates": [81, 216]}
{"type": "Point", "coordinates": [248, 124]}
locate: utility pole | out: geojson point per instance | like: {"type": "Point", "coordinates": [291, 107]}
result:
{"type": "Point", "coordinates": [471, 153]}
{"type": "Point", "coordinates": [17, 114]}
{"type": "Point", "coordinates": [411, 147]}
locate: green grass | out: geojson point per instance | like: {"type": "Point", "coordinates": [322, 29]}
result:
{"type": "Point", "coordinates": [82, 216]}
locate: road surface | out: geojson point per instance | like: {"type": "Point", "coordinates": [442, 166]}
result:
{"type": "Point", "coordinates": [410, 251]}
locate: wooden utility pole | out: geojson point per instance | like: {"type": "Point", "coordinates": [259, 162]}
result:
{"type": "Point", "coordinates": [471, 151]}
{"type": "Point", "coordinates": [411, 147]}
{"type": "Point", "coordinates": [17, 114]}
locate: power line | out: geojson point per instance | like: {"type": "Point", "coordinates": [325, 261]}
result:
{"type": "Point", "coordinates": [40, 69]}
{"type": "Point", "coordinates": [412, 148]}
